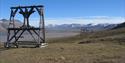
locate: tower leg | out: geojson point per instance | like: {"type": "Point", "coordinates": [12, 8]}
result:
{"type": "Point", "coordinates": [7, 44]}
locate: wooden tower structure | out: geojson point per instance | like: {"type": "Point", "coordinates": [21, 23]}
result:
{"type": "Point", "coordinates": [15, 33]}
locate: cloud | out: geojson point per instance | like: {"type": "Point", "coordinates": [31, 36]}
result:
{"type": "Point", "coordinates": [81, 20]}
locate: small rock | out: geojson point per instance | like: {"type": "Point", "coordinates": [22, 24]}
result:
{"type": "Point", "coordinates": [83, 42]}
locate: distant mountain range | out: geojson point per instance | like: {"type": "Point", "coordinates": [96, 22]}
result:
{"type": "Point", "coordinates": [66, 27]}
{"type": "Point", "coordinates": [4, 24]}
{"type": "Point", "coordinates": [78, 27]}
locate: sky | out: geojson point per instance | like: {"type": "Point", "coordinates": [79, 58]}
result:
{"type": "Point", "coordinates": [71, 11]}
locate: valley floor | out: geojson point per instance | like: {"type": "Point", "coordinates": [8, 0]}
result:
{"type": "Point", "coordinates": [98, 47]}
{"type": "Point", "coordinates": [49, 35]}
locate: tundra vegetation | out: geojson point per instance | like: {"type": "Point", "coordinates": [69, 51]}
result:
{"type": "Point", "coordinates": [89, 47]}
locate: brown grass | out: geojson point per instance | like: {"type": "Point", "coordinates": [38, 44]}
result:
{"type": "Point", "coordinates": [66, 53]}
{"type": "Point", "coordinates": [104, 47]}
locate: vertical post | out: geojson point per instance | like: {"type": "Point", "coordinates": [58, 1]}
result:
{"type": "Point", "coordinates": [10, 18]}
{"type": "Point", "coordinates": [7, 44]}
{"type": "Point", "coordinates": [43, 25]}
{"type": "Point", "coordinates": [40, 24]}
{"type": "Point", "coordinates": [13, 22]}
{"type": "Point", "coordinates": [25, 22]}
{"type": "Point", "coordinates": [39, 30]}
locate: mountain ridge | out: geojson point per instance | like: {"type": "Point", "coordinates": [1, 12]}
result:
{"type": "Point", "coordinates": [121, 25]}
{"type": "Point", "coordinates": [4, 24]}
{"type": "Point", "coordinates": [66, 27]}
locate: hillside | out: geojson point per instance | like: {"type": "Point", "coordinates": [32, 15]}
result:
{"type": "Point", "coordinates": [122, 25]}
{"type": "Point", "coordinates": [95, 47]}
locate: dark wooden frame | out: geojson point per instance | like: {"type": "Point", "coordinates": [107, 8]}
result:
{"type": "Point", "coordinates": [26, 11]}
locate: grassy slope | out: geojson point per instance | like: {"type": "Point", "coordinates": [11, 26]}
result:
{"type": "Point", "coordinates": [98, 47]}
